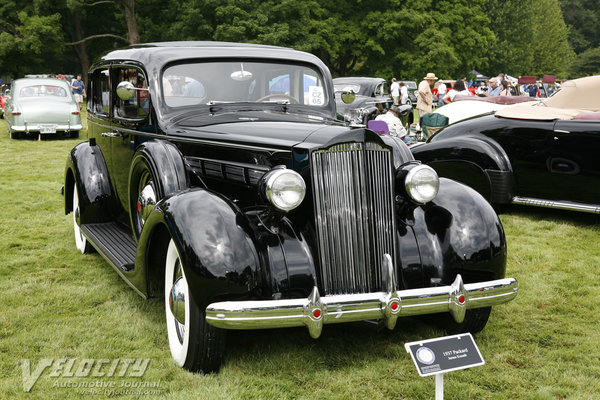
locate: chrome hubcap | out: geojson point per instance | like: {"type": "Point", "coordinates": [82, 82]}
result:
{"type": "Point", "coordinates": [177, 300]}
{"type": "Point", "coordinates": [146, 202]}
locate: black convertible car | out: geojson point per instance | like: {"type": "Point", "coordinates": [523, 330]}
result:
{"type": "Point", "coordinates": [217, 176]}
{"type": "Point", "coordinates": [544, 153]}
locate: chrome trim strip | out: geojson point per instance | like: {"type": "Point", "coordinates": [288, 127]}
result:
{"type": "Point", "coordinates": [316, 311]}
{"type": "Point", "coordinates": [562, 205]}
{"type": "Point", "coordinates": [256, 167]}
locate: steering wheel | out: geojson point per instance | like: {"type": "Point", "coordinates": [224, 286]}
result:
{"type": "Point", "coordinates": [279, 96]}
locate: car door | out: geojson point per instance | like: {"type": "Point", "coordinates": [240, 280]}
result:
{"type": "Point", "coordinates": [131, 125]}
{"type": "Point", "coordinates": [528, 145]}
{"type": "Point", "coordinates": [574, 162]}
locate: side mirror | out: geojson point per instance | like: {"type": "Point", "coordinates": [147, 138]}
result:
{"type": "Point", "coordinates": [348, 96]}
{"type": "Point", "coordinates": [125, 90]}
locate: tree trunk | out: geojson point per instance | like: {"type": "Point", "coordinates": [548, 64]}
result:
{"type": "Point", "coordinates": [81, 48]}
{"type": "Point", "coordinates": [128, 9]}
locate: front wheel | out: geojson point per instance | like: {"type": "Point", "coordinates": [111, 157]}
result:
{"type": "Point", "coordinates": [475, 320]}
{"type": "Point", "coordinates": [195, 345]}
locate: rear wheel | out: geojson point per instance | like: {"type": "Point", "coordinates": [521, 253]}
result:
{"type": "Point", "coordinates": [80, 241]}
{"type": "Point", "coordinates": [195, 345]}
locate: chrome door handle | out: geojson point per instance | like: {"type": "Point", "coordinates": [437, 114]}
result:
{"type": "Point", "coordinates": [111, 134]}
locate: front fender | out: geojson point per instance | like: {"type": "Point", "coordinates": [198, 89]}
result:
{"type": "Point", "coordinates": [214, 242]}
{"type": "Point", "coordinates": [459, 233]}
{"type": "Point", "coordinates": [477, 161]}
{"type": "Point", "coordinates": [87, 169]}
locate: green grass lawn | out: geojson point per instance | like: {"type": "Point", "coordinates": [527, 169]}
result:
{"type": "Point", "coordinates": [58, 303]}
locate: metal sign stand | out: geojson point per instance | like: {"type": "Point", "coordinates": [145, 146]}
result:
{"type": "Point", "coordinates": [439, 387]}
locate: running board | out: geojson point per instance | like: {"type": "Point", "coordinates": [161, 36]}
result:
{"type": "Point", "coordinates": [116, 245]}
{"type": "Point", "coordinates": [562, 205]}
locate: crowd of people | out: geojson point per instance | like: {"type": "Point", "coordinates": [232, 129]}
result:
{"type": "Point", "coordinates": [445, 92]}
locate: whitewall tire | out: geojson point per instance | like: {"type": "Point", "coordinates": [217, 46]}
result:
{"type": "Point", "coordinates": [195, 345]}
{"type": "Point", "coordinates": [80, 240]}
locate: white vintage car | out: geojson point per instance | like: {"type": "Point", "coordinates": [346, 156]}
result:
{"type": "Point", "coordinates": [42, 106]}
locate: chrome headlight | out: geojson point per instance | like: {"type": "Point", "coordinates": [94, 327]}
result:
{"type": "Point", "coordinates": [422, 183]}
{"type": "Point", "coordinates": [284, 188]}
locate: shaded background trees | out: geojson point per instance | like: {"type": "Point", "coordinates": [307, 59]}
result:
{"type": "Point", "coordinates": [403, 38]}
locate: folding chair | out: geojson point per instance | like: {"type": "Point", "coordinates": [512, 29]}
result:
{"type": "Point", "coordinates": [433, 121]}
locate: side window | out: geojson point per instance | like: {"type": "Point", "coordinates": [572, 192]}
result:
{"type": "Point", "coordinates": [138, 106]}
{"type": "Point", "coordinates": [99, 90]}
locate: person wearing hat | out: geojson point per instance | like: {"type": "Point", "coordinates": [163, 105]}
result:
{"type": "Point", "coordinates": [493, 88]}
{"type": "Point", "coordinates": [425, 99]}
{"type": "Point", "coordinates": [393, 122]}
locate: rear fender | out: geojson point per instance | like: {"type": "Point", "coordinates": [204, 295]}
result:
{"type": "Point", "coordinates": [86, 168]}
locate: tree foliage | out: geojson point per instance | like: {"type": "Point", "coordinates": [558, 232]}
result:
{"type": "Point", "coordinates": [402, 38]}
{"type": "Point", "coordinates": [531, 37]}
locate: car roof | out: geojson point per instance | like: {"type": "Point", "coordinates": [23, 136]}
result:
{"type": "Point", "coordinates": [159, 53]}
{"type": "Point", "coordinates": [38, 81]}
{"type": "Point", "coordinates": [357, 79]}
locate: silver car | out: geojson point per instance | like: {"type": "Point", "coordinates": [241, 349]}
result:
{"type": "Point", "coordinates": [42, 106]}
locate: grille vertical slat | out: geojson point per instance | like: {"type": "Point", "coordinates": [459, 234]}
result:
{"type": "Point", "coordinates": [354, 208]}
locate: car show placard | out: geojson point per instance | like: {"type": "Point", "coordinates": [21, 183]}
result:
{"type": "Point", "coordinates": [445, 354]}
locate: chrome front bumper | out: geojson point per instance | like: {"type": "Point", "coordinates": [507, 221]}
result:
{"type": "Point", "coordinates": [315, 311]}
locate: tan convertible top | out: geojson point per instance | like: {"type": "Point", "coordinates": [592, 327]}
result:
{"type": "Point", "coordinates": [575, 97]}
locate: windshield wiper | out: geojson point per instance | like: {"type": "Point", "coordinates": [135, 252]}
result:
{"type": "Point", "coordinates": [217, 105]}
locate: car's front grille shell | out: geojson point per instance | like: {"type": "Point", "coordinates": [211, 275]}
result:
{"type": "Point", "coordinates": [355, 222]}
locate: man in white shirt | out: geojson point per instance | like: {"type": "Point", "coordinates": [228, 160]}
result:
{"type": "Point", "coordinates": [442, 89]}
{"type": "Point", "coordinates": [403, 93]}
{"type": "Point", "coordinates": [393, 122]}
{"type": "Point", "coordinates": [395, 89]}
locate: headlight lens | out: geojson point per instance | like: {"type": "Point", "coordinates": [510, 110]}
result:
{"type": "Point", "coordinates": [284, 188]}
{"type": "Point", "coordinates": [422, 183]}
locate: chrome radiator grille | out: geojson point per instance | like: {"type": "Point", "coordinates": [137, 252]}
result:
{"type": "Point", "coordinates": [354, 207]}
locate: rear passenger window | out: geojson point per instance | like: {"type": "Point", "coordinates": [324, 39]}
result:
{"type": "Point", "coordinates": [99, 92]}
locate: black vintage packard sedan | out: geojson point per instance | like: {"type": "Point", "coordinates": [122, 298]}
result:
{"type": "Point", "coordinates": [542, 153]}
{"type": "Point", "coordinates": [217, 176]}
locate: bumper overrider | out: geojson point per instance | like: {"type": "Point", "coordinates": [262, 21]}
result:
{"type": "Point", "coordinates": [315, 311]}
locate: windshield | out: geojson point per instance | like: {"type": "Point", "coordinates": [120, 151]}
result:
{"type": "Point", "coordinates": [228, 81]}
